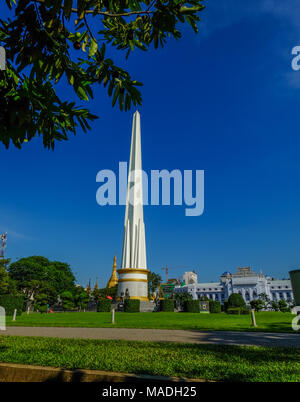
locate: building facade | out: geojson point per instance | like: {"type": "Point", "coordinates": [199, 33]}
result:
{"type": "Point", "coordinates": [245, 281]}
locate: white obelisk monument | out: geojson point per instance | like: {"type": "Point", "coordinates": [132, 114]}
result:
{"type": "Point", "coordinates": [133, 280]}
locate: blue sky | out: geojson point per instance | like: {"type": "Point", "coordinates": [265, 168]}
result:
{"type": "Point", "coordinates": [226, 101]}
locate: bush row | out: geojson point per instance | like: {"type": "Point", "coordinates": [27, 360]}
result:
{"type": "Point", "coordinates": [104, 306]}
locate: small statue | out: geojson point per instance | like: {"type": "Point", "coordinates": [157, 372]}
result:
{"type": "Point", "coordinates": [126, 294]}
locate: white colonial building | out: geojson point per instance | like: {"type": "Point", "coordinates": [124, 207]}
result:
{"type": "Point", "coordinates": [245, 281]}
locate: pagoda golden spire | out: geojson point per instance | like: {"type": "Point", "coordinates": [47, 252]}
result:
{"type": "Point", "coordinates": [114, 278]}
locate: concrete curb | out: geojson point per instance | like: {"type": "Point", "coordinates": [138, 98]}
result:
{"type": "Point", "coordinates": [10, 372]}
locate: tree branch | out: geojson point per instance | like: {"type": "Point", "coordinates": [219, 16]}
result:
{"type": "Point", "coordinates": [107, 14]}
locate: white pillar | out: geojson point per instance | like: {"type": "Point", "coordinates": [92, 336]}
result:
{"type": "Point", "coordinates": [133, 274]}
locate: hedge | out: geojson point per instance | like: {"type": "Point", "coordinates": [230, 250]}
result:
{"type": "Point", "coordinates": [104, 306]}
{"type": "Point", "coordinates": [233, 310]}
{"type": "Point", "coordinates": [10, 303]}
{"type": "Point", "coordinates": [132, 306]}
{"type": "Point", "coordinates": [214, 306]}
{"type": "Point", "coordinates": [167, 305]}
{"type": "Point", "coordinates": [192, 306]}
{"type": "Point", "coordinates": [244, 311]}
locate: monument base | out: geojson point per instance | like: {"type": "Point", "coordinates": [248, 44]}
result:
{"type": "Point", "coordinates": [133, 283]}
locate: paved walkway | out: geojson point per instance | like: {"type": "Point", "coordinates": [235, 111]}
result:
{"type": "Point", "coordinates": [132, 334]}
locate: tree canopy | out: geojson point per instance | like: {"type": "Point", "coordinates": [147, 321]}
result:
{"type": "Point", "coordinates": [49, 41]}
{"type": "Point", "coordinates": [37, 275]}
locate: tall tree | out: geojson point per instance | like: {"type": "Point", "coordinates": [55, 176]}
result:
{"type": "Point", "coordinates": [48, 40]}
{"type": "Point", "coordinates": [37, 274]}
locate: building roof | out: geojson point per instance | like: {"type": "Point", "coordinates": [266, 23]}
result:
{"type": "Point", "coordinates": [208, 285]}
{"type": "Point", "coordinates": [281, 282]}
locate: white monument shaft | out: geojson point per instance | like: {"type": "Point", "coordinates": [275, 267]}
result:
{"type": "Point", "coordinates": [133, 272]}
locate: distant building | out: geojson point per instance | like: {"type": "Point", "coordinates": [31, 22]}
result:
{"type": "Point", "coordinates": [190, 278]}
{"type": "Point", "coordinates": [245, 281]}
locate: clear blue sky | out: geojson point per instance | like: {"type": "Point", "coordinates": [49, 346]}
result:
{"type": "Point", "coordinates": [226, 101]}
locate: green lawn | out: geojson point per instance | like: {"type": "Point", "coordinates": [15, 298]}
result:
{"type": "Point", "coordinates": [212, 362]}
{"type": "Point", "coordinates": [266, 321]}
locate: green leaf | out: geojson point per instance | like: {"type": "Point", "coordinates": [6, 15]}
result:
{"type": "Point", "coordinates": [93, 47]}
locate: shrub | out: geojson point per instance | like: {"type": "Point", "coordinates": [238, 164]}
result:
{"type": "Point", "coordinates": [167, 305]}
{"type": "Point", "coordinates": [104, 306]}
{"type": "Point", "coordinates": [132, 306]}
{"type": "Point", "coordinates": [233, 310]}
{"type": "Point", "coordinates": [283, 306]}
{"type": "Point", "coordinates": [236, 300]}
{"type": "Point", "coordinates": [10, 303]}
{"type": "Point", "coordinates": [192, 306]}
{"type": "Point", "coordinates": [244, 311]}
{"type": "Point", "coordinates": [257, 304]}
{"type": "Point", "coordinates": [214, 306]}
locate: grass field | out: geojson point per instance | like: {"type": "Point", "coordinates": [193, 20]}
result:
{"type": "Point", "coordinates": [211, 362]}
{"type": "Point", "coordinates": [266, 321]}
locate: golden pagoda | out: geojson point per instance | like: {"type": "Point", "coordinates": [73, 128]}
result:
{"type": "Point", "coordinates": [96, 285]}
{"type": "Point", "coordinates": [114, 278]}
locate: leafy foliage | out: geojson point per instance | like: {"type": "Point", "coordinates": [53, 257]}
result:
{"type": "Point", "coordinates": [104, 306]}
{"type": "Point", "coordinates": [67, 299]}
{"type": "Point", "coordinates": [192, 306]}
{"type": "Point", "coordinates": [257, 304]}
{"type": "Point", "coordinates": [167, 305]}
{"type": "Point", "coordinates": [103, 293]}
{"type": "Point", "coordinates": [36, 276]}
{"type": "Point", "coordinates": [4, 277]}
{"type": "Point", "coordinates": [154, 280]}
{"type": "Point", "coordinates": [214, 306]}
{"type": "Point", "coordinates": [131, 306]}
{"type": "Point", "coordinates": [42, 40]}
{"type": "Point", "coordinates": [81, 297]}
{"type": "Point", "coordinates": [236, 300]}
{"type": "Point", "coordinates": [283, 306]}
{"type": "Point", "coordinates": [10, 303]}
